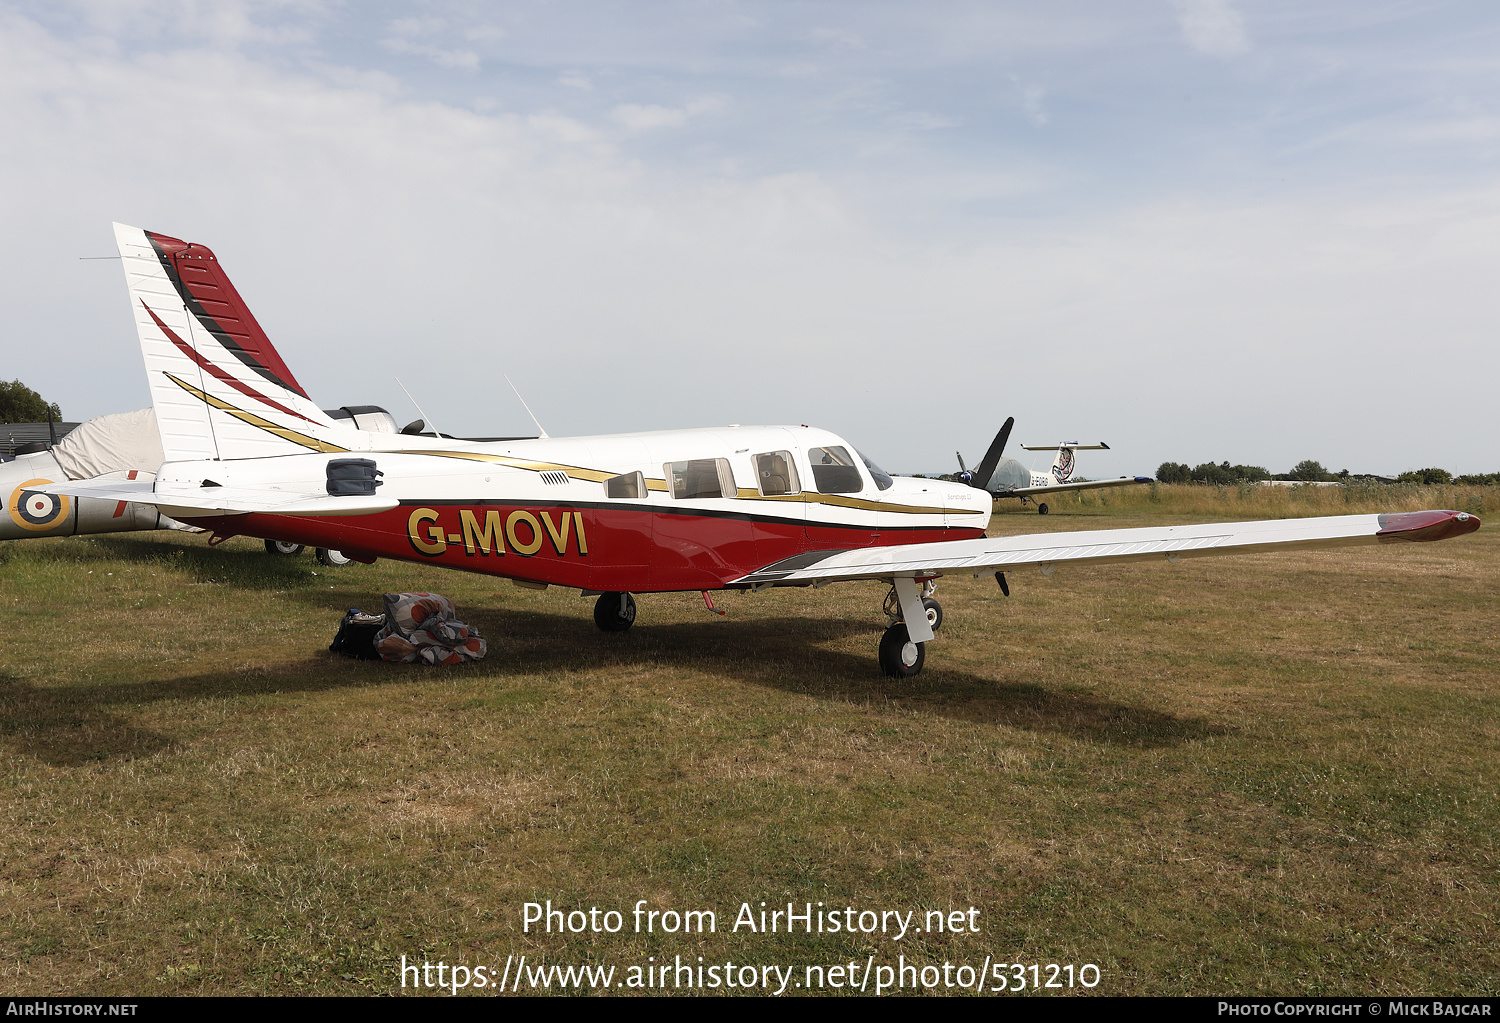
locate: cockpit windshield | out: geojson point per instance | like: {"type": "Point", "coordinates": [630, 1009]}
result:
{"type": "Point", "coordinates": [882, 478]}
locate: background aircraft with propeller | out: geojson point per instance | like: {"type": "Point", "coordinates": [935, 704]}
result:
{"type": "Point", "coordinates": [1007, 477]}
{"type": "Point", "coordinates": [247, 452]}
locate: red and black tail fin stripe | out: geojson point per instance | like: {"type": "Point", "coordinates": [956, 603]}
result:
{"type": "Point", "coordinates": [214, 369]}
{"type": "Point", "coordinates": [207, 293]}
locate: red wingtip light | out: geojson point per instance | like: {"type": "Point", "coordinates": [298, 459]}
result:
{"type": "Point", "coordinates": [1425, 525]}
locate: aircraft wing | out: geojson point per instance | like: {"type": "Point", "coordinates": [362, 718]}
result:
{"type": "Point", "coordinates": [1169, 543]}
{"type": "Point", "coordinates": [180, 500]}
{"type": "Point", "coordinates": [1122, 481]}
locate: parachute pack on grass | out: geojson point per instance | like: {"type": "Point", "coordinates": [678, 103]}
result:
{"type": "Point", "coordinates": [416, 627]}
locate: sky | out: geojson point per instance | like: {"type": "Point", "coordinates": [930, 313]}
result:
{"type": "Point", "coordinates": [1199, 230]}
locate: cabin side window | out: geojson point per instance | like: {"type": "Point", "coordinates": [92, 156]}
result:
{"type": "Point", "coordinates": [698, 478]}
{"type": "Point", "coordinates": [834, 471]}
{"type": "Point", "coordinates": [776, 474]}
{"type": "Point", "coordinates": [631, 485]}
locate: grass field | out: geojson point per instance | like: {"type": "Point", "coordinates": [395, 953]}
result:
{"type": "Point", "coordinates": [1260, 774]}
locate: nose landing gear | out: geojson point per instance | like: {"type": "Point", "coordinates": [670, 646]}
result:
{"type": "Point", "coordinates": [914, 617]}
{"type": "Point", "coordinates": [899, 656]}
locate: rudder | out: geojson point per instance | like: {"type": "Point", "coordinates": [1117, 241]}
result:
{"type": "Point", "coordinates": [220, 388]}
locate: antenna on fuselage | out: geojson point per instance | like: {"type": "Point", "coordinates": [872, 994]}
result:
{"type": "Point", "coordinates": [539, 430]}
{"type": "Point", "coordinates": [425, 417]}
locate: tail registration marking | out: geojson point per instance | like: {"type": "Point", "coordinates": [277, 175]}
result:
{"type": "Point", "coordinates": [523, 532]}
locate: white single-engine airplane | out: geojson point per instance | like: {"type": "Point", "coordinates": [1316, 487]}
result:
{"type": "Point", "coordinates": [247, 452]}
{"type": "Point", "coordinates": [1007, 477]}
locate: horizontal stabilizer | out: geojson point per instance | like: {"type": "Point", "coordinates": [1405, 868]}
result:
{"type": "Point", "coordinates": [1101, 446]}
{"type": "Point", "coordinates": [1170, 543]}
{"type": "Point", "coordinates": [184, 501]}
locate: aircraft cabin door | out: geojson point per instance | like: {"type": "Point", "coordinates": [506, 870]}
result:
{"type": "Point", "coordinates": [780, 527]}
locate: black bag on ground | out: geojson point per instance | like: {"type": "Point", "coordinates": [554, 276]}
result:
{"type": "Point", "coordinates": [356, 637]}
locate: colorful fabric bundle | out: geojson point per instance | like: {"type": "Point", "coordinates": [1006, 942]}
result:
{"type": "Point", "coordinates": [425, 627]}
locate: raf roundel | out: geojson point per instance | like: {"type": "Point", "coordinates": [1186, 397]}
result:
{"type": "Point", "coordinates": [36, 512]}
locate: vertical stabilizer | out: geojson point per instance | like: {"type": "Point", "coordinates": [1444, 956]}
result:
{"type": "Point", "coordinates": [219, 387]}
{"type": "Point", "coordinates": [1063, 465]}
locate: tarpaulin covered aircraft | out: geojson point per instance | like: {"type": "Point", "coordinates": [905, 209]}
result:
{"type": "Point", "coordinates": [129, 443]}
{"type": "Point", "coordinates": [247, 452]}
{"type": "Point", "coordinates": [124, 442]}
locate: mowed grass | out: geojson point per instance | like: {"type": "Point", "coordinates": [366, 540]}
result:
{"type": "Point", "coordinates": [1261, 774]}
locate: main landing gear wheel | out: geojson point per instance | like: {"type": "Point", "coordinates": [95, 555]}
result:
{"type": "Point", "coordinates": [934, 613]}
{"type": "Point", "coordinates": [1041, 509]}
{"type": "Point", "coordinates": [899, 656]}
{"type": "Point", "coordinates": [332, 558]}
{"type": "Point", "coordinates": [614, 612]}
{"type": "Point", "coordinates": [282, 547]}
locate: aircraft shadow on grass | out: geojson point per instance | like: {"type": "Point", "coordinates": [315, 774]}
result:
{"type": "Point", "coordinates": [78, 724]}
{"type": "Point", "coordinates": [254, 570]}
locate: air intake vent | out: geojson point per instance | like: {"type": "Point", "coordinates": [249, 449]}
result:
{"type": "Point", "coordinates": [555, 479]}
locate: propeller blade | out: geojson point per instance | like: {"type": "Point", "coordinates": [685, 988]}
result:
{"type": "Point", "coordinates": [961, 466]}
{"type": "Point", "coordinates": [991, 458]}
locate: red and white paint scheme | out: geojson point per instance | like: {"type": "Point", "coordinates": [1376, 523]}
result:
{"type": "Point", "coordinates": [247, 452]}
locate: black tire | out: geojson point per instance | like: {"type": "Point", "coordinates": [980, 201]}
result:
{"type": "Point", "coordinates": [899, 656]}
{"type": "Point", "coordinates": [614, 612]}
{"type": "Point", "coordinates": [290, 550]}
{"type": "Point", "coordinates": [1041, 509]}
{"type": "Point", "coordinates": [934, 613]}
{"type": "Point", "coordinates": [332, 558]}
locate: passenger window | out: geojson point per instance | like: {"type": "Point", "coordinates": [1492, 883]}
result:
{"type": "Point", "coordinates": [701, 477]}
{"type": "Point", "coordinates": [631, 485]}
{"type": "Point", "coordinates": [834, 471]}
{"type": "Point", "coordinates": [776, 475]}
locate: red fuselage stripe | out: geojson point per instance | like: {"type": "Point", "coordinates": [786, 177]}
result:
{"type": "Point", "coordinates": [626, 549]}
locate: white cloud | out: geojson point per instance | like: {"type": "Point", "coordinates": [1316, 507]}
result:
{"type": "Point", "coordinates": [463, 60]}
{"type": "Point", "coordinates": [644, 117]}
{"type": "Point", "coordinates": [800, 69]}
{"type": "Point", "coordinates": [404, 39]}
{"type": "Point", "coordinates": [919, 120]}
{"type": "Point", "coordinates": [1212, 27]}
{"type": "Point", "coordinates": [417, 26]}
{"type": "Point", "coordinates": [218, 22]}
{"type": "Point", "coordinates": [576, 81]}
{"type": "Point", "coordinates": [838, 38]}
{"type": "Point", "coordinates": [371, 230]}
{"type": "Point", "coordinates": [1031, 104]}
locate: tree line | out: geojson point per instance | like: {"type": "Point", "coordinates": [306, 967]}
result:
{"type": "Point", "coordinates": [1307, 471]}
{"type": "Point", "coordinates": [20, 404]}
